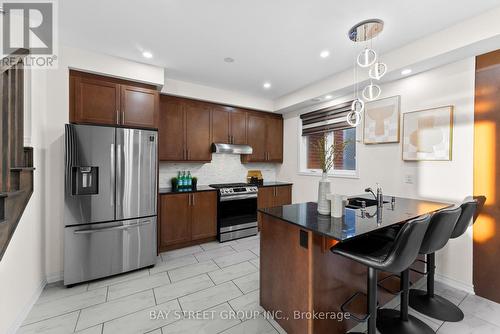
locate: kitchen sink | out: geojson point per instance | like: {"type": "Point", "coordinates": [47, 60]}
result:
{"type": "Point", "coordinates": [355, 202]}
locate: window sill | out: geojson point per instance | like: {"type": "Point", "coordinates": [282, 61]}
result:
{"type": "Point", "coordinates": [353, 175]}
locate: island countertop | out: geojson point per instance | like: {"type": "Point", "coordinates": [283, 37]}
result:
{"type": "Point", "coordinates": [353, 224]}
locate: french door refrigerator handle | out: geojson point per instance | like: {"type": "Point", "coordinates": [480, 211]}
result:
{"type": "Point", "coordinates": [114, 228]}
{"type": "Point", "coordinates": [118, 173]}
{"type": "Point", "coordinates": [112, 178]}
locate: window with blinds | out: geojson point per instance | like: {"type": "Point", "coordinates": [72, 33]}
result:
{"type": "Point", "coordinates": [331, 124]}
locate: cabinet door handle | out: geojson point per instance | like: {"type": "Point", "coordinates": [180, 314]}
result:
{"type": "Point", "coordinates": [232, 139]}
{"type": "Point", "coordinates": [228, 139]}
{"type": "Point", "coordinates": [189, 199]}
{"type": "Point", "coordinates": [117, 116]}
{"type": "Point", "coordinates": [123, 116]}
{"type": "Point", "coordinates": [192, 201]}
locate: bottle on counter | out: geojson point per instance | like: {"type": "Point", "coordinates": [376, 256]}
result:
{"type": "Point", "coordinates": [182, 181]}
{"type": "Point", "coordinates": [189, 180]}
{"type": "Point", "coordinates": [179, 181]}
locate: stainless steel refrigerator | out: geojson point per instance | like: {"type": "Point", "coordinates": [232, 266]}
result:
{"type": "Point", "coordinates": [110, 201]}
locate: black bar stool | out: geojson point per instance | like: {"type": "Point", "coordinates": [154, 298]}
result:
{"type": "Point", "coordinates": [427, 302]}
{"type": "Point", "coordinates": [379, 254]}
{"type": "Point", "coordinates": [437, 235]}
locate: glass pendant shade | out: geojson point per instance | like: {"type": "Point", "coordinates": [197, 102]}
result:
{"type": "Point", "coordinates": [377, 71]}
{"type": "Point", "coordinates": [353, 118]}
{"type": "Point", "coordinates": [358, 105]}
{"type": "Point", "coordinates": [371, 92]}
{"type": "Point", "coordinates": [367, 57]}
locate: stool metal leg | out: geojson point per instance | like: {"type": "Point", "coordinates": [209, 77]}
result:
{"type": "Point", "coordinates": [372, 300]}
{"type": "Point", "coordinates": [371, 287]}
{"type": "Point", "coordinates": [400, 322]}
{"type": "Point", "coordinates": [432, 305]}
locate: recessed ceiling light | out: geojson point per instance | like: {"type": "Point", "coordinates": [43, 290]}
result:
{"type": "Point", "coordinates": [266, 85]}
{"type": "Point", "coordinates": [147, 54]}
{"type": "Point", "coordinates": [229, 60]}
{"type": "Point", "coordinates": [328, 97]}
{"type": "Point", "coordinates": [324, 53]}
{"type": "Point", "coordinates": [406, 71]}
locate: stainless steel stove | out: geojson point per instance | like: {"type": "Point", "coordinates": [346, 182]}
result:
{"type": "Point", "coordinates": [236, 210]}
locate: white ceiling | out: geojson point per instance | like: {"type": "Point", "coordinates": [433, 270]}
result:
{"type": "Point", "coordinates": [277, 41]}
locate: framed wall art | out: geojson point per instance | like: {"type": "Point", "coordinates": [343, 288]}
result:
{"type": "Point", "coordinates": [428, 134]}
{"type": "Point", "coordinates": [381, 123]}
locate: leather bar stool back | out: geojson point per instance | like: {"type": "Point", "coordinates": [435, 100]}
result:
{"type": "Point", "coordinates": [379, 254]}
{"type": "Point", "coordinates": [469, 209]}
{"type": "Point", "coordinates": [443, 225]}
{"type": "Point", "coordinates": [437, 235]}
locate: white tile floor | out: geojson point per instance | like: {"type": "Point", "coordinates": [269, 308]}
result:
{"type": "Point", "coordinates": [214, 277]}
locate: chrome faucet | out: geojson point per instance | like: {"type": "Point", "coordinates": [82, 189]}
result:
{"type": "Point", "coordinates": [369, 190]}
{"type": "Point", "coordinates": [379, 197]}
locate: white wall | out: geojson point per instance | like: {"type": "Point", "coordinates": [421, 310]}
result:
{"type": "Point", "coordinates": [224, 168]}
{"type": "Point", "coordinates": [212, 94]}
{"type": "Point", "coordinates": [452, 84]}
{"type": "Point", "coordinates": [22, 268]}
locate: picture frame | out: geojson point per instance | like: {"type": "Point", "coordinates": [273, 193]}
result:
{"type": "Point", "coordinates": [381, 123]}
{"type": "Point", "coordinates": [428, 134]}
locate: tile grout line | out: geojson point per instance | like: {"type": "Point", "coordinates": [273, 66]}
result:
{"type": "Point", "coordinates": [77, 319]}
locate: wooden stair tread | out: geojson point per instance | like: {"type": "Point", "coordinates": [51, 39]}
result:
{"type": "Point", "coordinates": [18, 169]}
{"type": "Point", "coordinates": [12, 193]}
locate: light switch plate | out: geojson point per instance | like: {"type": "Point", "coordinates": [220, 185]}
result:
{"type": "Point", "coordinates": [409, 179]}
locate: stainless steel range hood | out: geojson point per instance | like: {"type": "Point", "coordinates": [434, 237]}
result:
{"type": "Point", "coordinates": [231, 148]}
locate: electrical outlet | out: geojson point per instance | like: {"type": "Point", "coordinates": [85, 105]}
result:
{"type": "Point", "coordinates": [409, 179]}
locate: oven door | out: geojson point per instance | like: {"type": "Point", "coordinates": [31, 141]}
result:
{"type": "Point", "coordinates": [237, 217]}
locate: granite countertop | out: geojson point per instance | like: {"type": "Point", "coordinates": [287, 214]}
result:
{"type": "Point", "coordinates": [352, 224]}
{"type": "Point", "coordinates": [275, 184]}
{"type": "Point", "coordinates": [168, 190]}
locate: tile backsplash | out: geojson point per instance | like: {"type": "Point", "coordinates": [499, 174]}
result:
{"type": "Point", "coordinates": [224, 168]}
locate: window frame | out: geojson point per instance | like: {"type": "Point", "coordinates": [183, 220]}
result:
{"type": "Point", "coordinates": [337, 173]}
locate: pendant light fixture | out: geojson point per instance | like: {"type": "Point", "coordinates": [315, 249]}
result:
{"type": "Point", "coordinates": [363, 32]}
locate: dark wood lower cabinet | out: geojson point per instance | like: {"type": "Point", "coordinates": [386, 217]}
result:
{"type": "Point", "coordinates": [204, 215]}
{"type": "Point", "coordinates": [187, 219]}
{"type": "Point", "coordinates": [174, 220]}
{"type": "Point", "coordinates": [273, 196]}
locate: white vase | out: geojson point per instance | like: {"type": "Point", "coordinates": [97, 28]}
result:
{"type": "Point", "coordinates": [323, 191]}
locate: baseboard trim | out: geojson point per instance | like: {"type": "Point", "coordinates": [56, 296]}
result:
{"type": "Point", "coordinates": [24, 313]}
{"type": "Point", "coordinates": [455, 284]}
{"type": "Point", "coordinates": [55, 277]}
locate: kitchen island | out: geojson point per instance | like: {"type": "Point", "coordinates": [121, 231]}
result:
{"type": "Point", "coordinates": [301, 282]}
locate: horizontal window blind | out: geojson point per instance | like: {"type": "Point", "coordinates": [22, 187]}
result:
{"type": "Point", "coordinates": [326, 119]}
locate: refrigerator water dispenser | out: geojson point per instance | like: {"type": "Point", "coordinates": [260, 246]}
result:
{"type": "Point", "coordinates": [85, 180]}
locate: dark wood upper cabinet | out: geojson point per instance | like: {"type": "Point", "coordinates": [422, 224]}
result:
{"type": "Point", "coordinates": [187, 129]}
{"type": "Point", "coordinates": [274, 139]}
{"type": "Point", "coordinates": [238, 126]}
{"type": "Point", "coordinates": [101, 100]}
{"type": "Point", "coordinates": [265, 135]}
{"type": "Point", "coordinates": [220, 125]}
{"type": "Point", "coordinates": [256, 137]}
{"type": "Point", "coordinates": [95, 101]}
{"type": "Point", "coordinates": [139, 107]}
{"type": "Point", "coordinates": [171, 131]}
{"type": "Point", "coordinates": [204, 215]}
{"type": "Point", "coordinates": [175, 217]}
{"type": "Point", "coordinates": [198, 132]}
{"type": "Point", "coordinates": [229, 125]}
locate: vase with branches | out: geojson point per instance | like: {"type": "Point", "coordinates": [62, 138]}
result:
{"type": "Point", "coordinates": [328, 154]}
